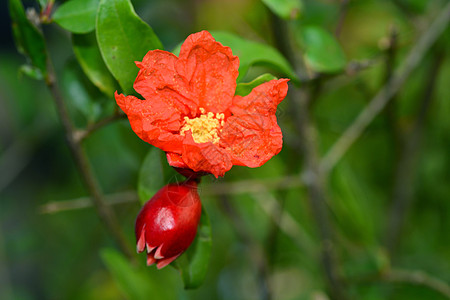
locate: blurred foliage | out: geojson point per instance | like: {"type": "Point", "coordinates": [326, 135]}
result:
{"type": "Point", "coordinates": [69, 255]}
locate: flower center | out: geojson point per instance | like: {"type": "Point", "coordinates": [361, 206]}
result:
{"type": "Point", "coordinates": [205, 128]}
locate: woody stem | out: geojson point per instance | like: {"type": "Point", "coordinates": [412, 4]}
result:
{"type": "Point", "coordinates": [105, 212]}
{"type": "Point", "coordinates": [314, 179]}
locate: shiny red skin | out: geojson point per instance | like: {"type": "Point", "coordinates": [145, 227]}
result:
{"type": "Point", "coordinates": [170, 220]}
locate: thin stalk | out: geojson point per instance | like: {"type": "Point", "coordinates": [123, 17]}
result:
{"type": "Point", "coordinates": [104, 211]}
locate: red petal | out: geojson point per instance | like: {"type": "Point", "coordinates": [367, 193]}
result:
{"type": "Point", "coordinates": [140, 246]}
{"type": "Point", "coordinates": [157, 78]}
{"type": "Point", "coordinates": [150, 259]}
{"type": "Point", "coordinates": [149, 248]}
{"type": "Point", "coordinates": [262, 100]}
{"type": "Point", "coordinates": [252, 135]}
{"type": "Point", "coordinates": [175, 160]}
{"type": "Point", "coordinates": [164, 262]}
{"type": "Point", "coordinates": [205, 157]}
{"type": "Point", "coordinates": [210, 69]}
{"type": "Point", "coordinates": [251, 140]}
{"type": "Point", "coordinates": [158, 254]}
{"type": "Point", "coordinates": [153, 121]}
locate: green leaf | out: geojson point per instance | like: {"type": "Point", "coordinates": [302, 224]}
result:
{"type": "Point", "coordinates": [243, 89]}
{"type": "Point", "coordinates": [135, 282]}
{"type": "Point", "coordinates": [253, 53]}
{"type": "Point", "coordinates": [82, 95]}
{"type": "Point", "coordinates": [151, 175]}
{"type": "Point", "coordinates": [193, 264]}
{"type": "Point", "coordinates": [43, 3]}
{"type": "Point", "coordinates": [322, 52]}
{"type": "Point", "coordinates": [77, 16]}
{"type": "Point", "coordinates": [31, 71]}
{"type": "Point", "coordinates": [88, 55]}
{"type": "Point", "coordinates": [29, 40]}
{"type": "Point", "coordinates": [123, 38]}
{"type": "Point", "coordinates": [286, 9]}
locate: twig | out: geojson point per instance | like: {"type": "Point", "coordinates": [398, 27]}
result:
{"type": "Point", "coordinates": [286, 222]}
{"type": "Point", "coordinates": [342, 13]}
{"type": "Point", "coordinates": [315, 185]}
{"type": "Point", "coordinates": [391, 53]}
{"type": "Point", "coordinates": [418, 278]}
{"type": "Point", "coordinates": [80, 135]}
{"type": "Point", "coordinates": [252, 186]}
{"type": "Point", "coordinates": [414, 277]}
{"type": "Point", "coordinates": [86, 202]}
{"type": "Point", "coordinates": [104, 211]}
{"type": "Point", "coordinates": [403, 187]}
{"type": "Point", "coordinates": [414, 57]}
{"type": "Point", "coordinates": [313, 179]}
{"type": "Point", "coordinates": [221, 188]}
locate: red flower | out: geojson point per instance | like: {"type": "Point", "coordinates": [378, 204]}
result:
{"type": "Point", "coordinates": [191, 111]}
{"type": "Point", "coordinates": [167, 223]}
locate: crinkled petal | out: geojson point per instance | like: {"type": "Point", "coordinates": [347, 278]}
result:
{"type": "Point", "coordinates": [210, 69]}
{"type": "Point", "coordinates": [175, 160]}
{"type": "Point", "coordinates": [205, 157]}
{"type": "Point", "coordinates": [251, 140]}
{"type": "Point", "coordinates": [252, 135]}
{"type": "Point", "coordinates": [262, 100]}
{"type": "Point", "coordinates": [153, 121]}
{"type": "Point", "coordinates": [157, 78]}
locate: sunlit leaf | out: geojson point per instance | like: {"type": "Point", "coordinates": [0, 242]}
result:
{"type": "Point", "coordinates": [193, 264]}
{"type": "Point", "coordinates": [123, 38]}
{"type": "Point", "coordinates": [253, 53]}
{"type": "Point", "coordinates": [29, 40]}
{"type": "Point", "coordinates": [31, 71]}
{"type": "Point", "coordinates": [322, 52]}
{"type": "Point", "coordinates": [286, 9]}
{"type": "Point", "coordinates": [244, 89]}
{"type": "Point", "coordinates": [86, 50]}
{"type": "Point", "coordinates": [77, 16]}
{"type": "Point", "coordinates": [151, 175]}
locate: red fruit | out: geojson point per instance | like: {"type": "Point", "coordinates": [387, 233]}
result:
{"type": "Point", "coordinates": [167, 223]}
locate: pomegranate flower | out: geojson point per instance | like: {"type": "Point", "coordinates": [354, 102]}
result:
{"type": "Point", "coordinates": [191, 111]}
{"type": "Point", "coordinates": [167, 223]}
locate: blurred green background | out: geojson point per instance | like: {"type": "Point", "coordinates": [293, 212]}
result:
{"type": "Point", "coordinates": [265, 243]}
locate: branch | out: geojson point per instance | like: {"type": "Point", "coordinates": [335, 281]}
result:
{"type": "Point", "coordinates": [315, 184]}
{"type": "Point", "coordinates": [215, 189]}
{"type": "Point", "coordinates": [80, 135]}
{"type": "Point", "coordinates": [342, 13]}
{"type": "Point", "coordinates": [315, 181]}
{"type": "Point", "coordinates": [285, 222]}
{"type": "Point", "coordinates": [418, 278]}
{"type": "Point", "coordinates": [252, 186]}
{"type": "Point", "coordinates": [104, 211]}
{"type": "Point", "coordinates": [414, 57]}
{"type": "Point", "coordinates": [403, 187]}
{"type": "Point", "coordinates": [86, 202]}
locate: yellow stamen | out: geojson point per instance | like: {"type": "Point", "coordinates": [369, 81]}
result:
{"type": "Point", "coordinates": [205, 128]}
